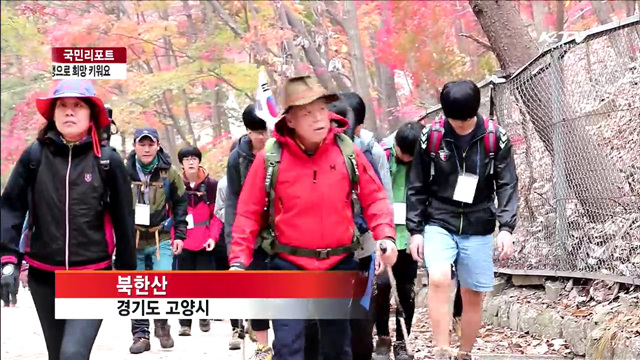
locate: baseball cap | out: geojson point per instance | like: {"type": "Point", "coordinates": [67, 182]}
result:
{"type": "Point", "coordinates": [146, 131]}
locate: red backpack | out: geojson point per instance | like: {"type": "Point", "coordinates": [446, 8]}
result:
{"type": "Point", "coordinates": [437, 129]}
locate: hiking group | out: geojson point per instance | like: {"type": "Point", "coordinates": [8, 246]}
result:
{"type": "Point", "coordinates": [317, 192]}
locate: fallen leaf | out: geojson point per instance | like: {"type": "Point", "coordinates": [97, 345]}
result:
{"type": "Point", "coordinates": [580, 312]}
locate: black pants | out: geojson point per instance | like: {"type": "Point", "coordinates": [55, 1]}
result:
{"type": "Point", "coordinates": [195, 261]}
{"type": "Point", "coordinates": [290, 335]}
{"type": "Point", "coordinates": [9, 292]}
{"type": "Point", "coordinates": [361, 325]}
{"type": "Point", "coordinates": [405, 271]}
{"type": "Point", "coordinates": [65, 339]}
{"type": "Point", "coordinates": [260, 258]}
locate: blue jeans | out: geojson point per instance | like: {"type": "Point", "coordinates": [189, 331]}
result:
{"type": "Point", "coordinates": [335, 335]}
{"type": "Point", "coordinates": [140, 327]}
{"type": "Point", "coordinates": [472, 256]}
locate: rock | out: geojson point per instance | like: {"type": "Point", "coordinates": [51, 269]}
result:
{"type": "Point", "coordinates": [627, 302]}
{"type": "Point", "coordinates": [503, 314]}
{"type": "Point", "coordinates": [548, 325]}
{"type": "Point", "coordinates": [553, 290]}
{"type": "Point", "coordinates": [574, 331]}
{"type": "Point", "coordinates": [514, 313]}
{"type": "Point", "coordinates": [422, 279]}
{"type": "Point", "coordinates": [524, 280]}
{"type": "Point", "coordinates": [421, 297]}
{"type": "Point", "coordinates": [593, 352]}
{"type": "Point", "coordinates": [569, 286]}
{"type": "Point", "coordinates": [629, 349]}
{"type": "Point", "coordinates": [600, 314]}
{"type": "Point", "coordinates": [527, 319]}
{"type": "Point", "coordinates": [498, 285]}
{"type": "Point", "coordinates": [491, 311]}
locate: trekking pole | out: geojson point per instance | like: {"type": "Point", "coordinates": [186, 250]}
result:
{"type": "Point", "coordinates": [394, 291]}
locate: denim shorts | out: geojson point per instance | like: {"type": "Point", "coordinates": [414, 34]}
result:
{"type": "Point", "coordinates": [472, 256]}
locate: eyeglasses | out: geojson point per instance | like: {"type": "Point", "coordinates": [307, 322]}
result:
{"type": "Point", "coordinates": [190, 159]}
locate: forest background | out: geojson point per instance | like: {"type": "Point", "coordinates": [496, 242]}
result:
{"type": "Point", "coordinates": [193, 65]}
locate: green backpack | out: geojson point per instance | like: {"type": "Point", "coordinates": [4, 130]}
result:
{"type": "Point", "coordinates": [268, 237]}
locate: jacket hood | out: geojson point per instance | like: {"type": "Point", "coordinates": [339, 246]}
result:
{"type": "Point", "coordinates": [245, 147]}
{"type": "Point", "coordinates": [203, 174]}
{"type": "Point", "coordinates": [282, 131]}
{"type": "Point", "coordinates": [164, 159]}
{"type": "Point", "coordinates": [364, 138]}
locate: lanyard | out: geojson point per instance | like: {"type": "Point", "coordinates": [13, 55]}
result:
{"type": "Point", "coordinates": [461, 171]}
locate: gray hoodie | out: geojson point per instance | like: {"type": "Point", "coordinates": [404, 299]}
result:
{"type": "Point", "coordinates": [366, 140]}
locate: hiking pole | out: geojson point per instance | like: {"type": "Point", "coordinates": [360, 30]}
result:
{"type": "Point", "coordinates": [394, 291]}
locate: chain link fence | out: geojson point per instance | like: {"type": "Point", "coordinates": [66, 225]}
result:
{"type": "Point", "coordinates": [573, 116]}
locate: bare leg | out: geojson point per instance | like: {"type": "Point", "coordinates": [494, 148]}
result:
{"type": "Point", "coordinates": [439, 295]}
{"type": "Point", "coordinates": [471, 317]}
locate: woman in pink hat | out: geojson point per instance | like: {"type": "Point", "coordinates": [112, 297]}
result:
{"type": "Point", "coordinates": [78, 197]}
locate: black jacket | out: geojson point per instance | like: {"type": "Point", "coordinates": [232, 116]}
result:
{"type": "Point", "coordinates": [240, 161]}
{"type": "Point", "coordinates": [68, 209]}
{"type": "Point", "coordinates": [160, 206]}
{"type": "Point", "coordinates": [432, 202]}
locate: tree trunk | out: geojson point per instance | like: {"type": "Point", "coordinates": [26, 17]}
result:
{"type": "Point", "coordinates": [631, 7]}
{"type": "Point", "coordinates": [560, 16]}
{"type": "Point", "coordinates": [539, 12]}
{"type": "Point", "coordinates": [187, 117]}
{"type": "Point", "coordinates": [386, 89]}
{"type": "Point", "coordinates": [310, 50]}
{"type": "Point", "coordinates": [514, 48]}
{"type": "Point", "coordinates": [358, 66]}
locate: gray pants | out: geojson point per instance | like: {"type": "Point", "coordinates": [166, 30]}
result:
{"type": "Point", "coordinates": [66, 339]}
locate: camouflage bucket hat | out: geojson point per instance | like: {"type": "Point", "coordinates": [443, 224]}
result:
{"type": "Point", "coordinates": [302, 90]}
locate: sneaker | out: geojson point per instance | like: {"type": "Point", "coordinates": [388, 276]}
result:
{"type": "Point", "coordinates": [383, 348]}
{"type": "Point", "coordinates": [443, 354]}
{"type": "Point", "coordinates": [400, 351]}
{"type": "Point", "coordinates": [163, 333]}
{"type": "Point", "coordinates": [184, 331]}
{"type": "Point", "coordinates": [140, 345]}
{"type": "Point", "coordinates": [205, 325]}
{"type": "Point", "coordinates": [236, 340]}
{"type": "Point", "coordinates": [263, 353]}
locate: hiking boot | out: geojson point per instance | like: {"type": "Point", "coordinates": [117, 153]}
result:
{"type": "Point", "coordinates": [383, 348]}
{"type": "Point", "coordinates": [236, 339]}
{"type": "Point", "coordinates": [400, 351]}
{"type": "Point", "coordinates": [163, 333]}
{"type": "Point", "coordinates": [205, 325]}
{"type": "Point", "coordinates": [443, 354]}
{"type": "Point", "coordinates": [184, 331]}
{"type": "Point", "coordinates": [140, 345]}
{"type": "Point", "coordinates": [263, 353]}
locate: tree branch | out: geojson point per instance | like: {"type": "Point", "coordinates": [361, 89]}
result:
{"type": "Point", "coordinates": [478, 41]}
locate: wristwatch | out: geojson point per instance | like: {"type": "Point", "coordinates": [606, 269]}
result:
{"type": "Point", "coordinates": [8, 269]}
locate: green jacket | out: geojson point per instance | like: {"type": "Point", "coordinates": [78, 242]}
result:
{"type": "Point", "coordinates": [399, 177]}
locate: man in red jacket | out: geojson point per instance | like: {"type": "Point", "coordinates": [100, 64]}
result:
{"type": "Point", "coordinates": [313, 221]}
{"type": "Point", "coordinates": [203, 226]}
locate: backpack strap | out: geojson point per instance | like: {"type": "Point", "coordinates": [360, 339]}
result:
{"type": "Point", "coordinates": [490, 141]}
{"type": "Point", "coordinates": [35, 159]}
{"type": "Point", "coordinates": [104, 164]}
{"type": "Point", "coordinates": [273, 155]}
{"type": "Point", "coordinates": [436, 132]}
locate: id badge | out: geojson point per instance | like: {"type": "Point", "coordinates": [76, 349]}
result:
{"type": "Point", "coordinates": [190, 221]}
{"type": "Point", "coordinates": [143, 214]}
{"type": "Point", "coordinates": [466, 188]}
{"type": "Point", "coordinates": [399, 213]}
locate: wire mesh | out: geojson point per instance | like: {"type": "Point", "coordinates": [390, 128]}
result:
{"type": "Point", "coordinates": [573, 116]}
